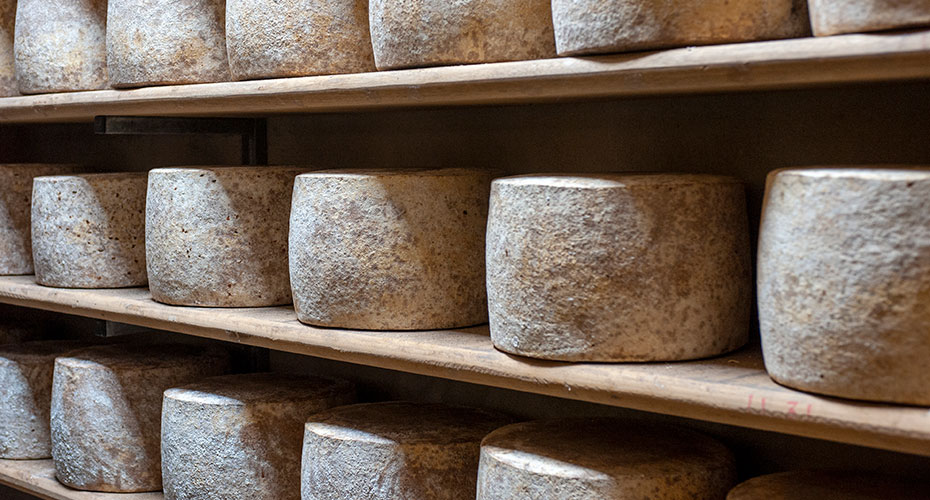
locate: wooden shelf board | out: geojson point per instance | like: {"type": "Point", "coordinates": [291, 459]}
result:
{"type": "Point", "coordinates": [731, 389]}
{"type": "Point", "coordinates": [776, 64]}
{"type": "Point", "coordinates": [37, 477]}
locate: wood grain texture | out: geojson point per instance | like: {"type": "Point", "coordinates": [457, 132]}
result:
{"type": "Point", "coordinates": [732, 389]}
{"type": "Point", "coordinates": [37, 477]}
{"type": "Point", "coordinates": [740, 67]}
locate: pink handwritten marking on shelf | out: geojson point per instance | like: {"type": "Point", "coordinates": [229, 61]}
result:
{"type": "Point", "coordinates": [749, 406]}
{"type": "Point", "coordinates": [791, 406]}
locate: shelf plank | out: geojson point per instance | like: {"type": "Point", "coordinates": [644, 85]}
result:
{"type": "Point", "coordinates": [37, 477]}
{"type": "Point", "coordinates": [778, 64]}
{"type": "Point", "coordinates": [731, 389]}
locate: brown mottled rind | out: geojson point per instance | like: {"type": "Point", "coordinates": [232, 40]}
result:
{"type": "Point", "coordinates": [60, 47]}
{"type": "Point", "coordinates": [844, 282]}
{"type": "Point", "coordinates": [281, 38]}
{"type": "Point", "coordinates": [159, 42]}
{"type": "Point", "coordinates": [7, 72]}
{"type": "Point", "coordinates": [15, 210]}
{"type": "Point", "coordinates": [618, 267]}
{"type": "Point", "coordinates": [822, 485]}
{"type": "Point", "coordinates": [832, 17]}
{"type": "Point", "coordinates": [88, 231]}
{"type": "Point", "coordinates": [106, 411]}
{"type": "Point", "coordinates": [26, 382]}
{"type": "Point", "coordinates": [387, 451]}
{"type": "Point", "coordinates": [217, 236]}
{"type": "Point", "coordinates": [599, 26]}
{"type": "Point", "coordinates": [411, 33]}
{"type": "Point", "coordinates": [389, 249]}
{"type": "Point", "coordinates": [248, 427]}
{"type": "Point", "coordinates": [602, 459]}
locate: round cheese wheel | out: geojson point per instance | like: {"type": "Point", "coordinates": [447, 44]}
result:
{"type": "Point", "coordinates": [602, 459]}
{"type": "Point", "coordinates": [387, 451]}
{"type": "Point", "coordinates": [60, 48]}
{"type": "Point", "coordinates": [106, 411]}
{"type": "Point", "coordinates": [280, 38]}
{"type": "Point", "coordinates": [15, 209]}
{"type": "Point", "coordinates": [26, 382]}
{"type": "Point", "coordinates": [618, 267]}
{"type": "Point", "coordinates": [822, 485]}
{"type": "Point", "coordinates": [88, 231]}
{"type": "Point", "coordinates": [389, 249]}
{"type": "Point", "coordinates": [248, 427]}
{"type": "Point", "coordinates": [832, 17]}
{"type": "Point", "coordinates": [843, 272]}
{"type": "Point", "coordinates": [598, 26]}
{"type": "Point", "coordinates": [7, 72]}
{"type": "Point", "coordinates": [158, 42]}
{"type": "Point", "coordinates": [217, 236]}
{"type": "Point", "coordinates": [411, 33]}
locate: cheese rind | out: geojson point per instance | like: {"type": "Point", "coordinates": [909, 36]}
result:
{"type": "Point", "coordinates": [602, 459]}
{"type": "Point", "coordinates": [389, 249]}
{"type": "Point", "coordinates": [386, 451]}
{"type": "Point", "coordinates": [618, 267]}
{"type": "Point", "coordinates": [599, 26]}
{"type": "Point", "coordinates": [106, 411]}
{"type": "Point", "coordinates": [832, 17]}
{"type": "Point", "coordinates": [824, 485]}
{"type": "Point", "coordinates": [60, 49]}
{"type": "Point", "coordinates": [842, 284]}
{"type": "Point", "coordinates": [7, 70]}
{"type": "Point", "coordinates": [159, 42]}
{"type": "Point", "coordinates": [88, 231]}
{"type": "Point", "coordinates": [281, 38]}
{"type": "Point", "coordinates": [411, 33]}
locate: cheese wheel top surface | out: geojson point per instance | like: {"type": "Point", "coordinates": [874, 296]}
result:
{"type": "Point", "coordinates": [815, 485]}
{"type": "Point", "coordinates": [126, 356]}
{"type": "Point", "coordinates": [399, 172]}
{"type": "Point", "coordinates": [889, 173]}
{"type": "Point", "coordinates": [613, 180]}
{"type": "Point", "coordinates": [247, 388]}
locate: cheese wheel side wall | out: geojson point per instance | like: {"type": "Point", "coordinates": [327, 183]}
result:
{"type": "Point", "coordinates": [8, 85]}
{"type": "Point", "coordinates": [832, 17]}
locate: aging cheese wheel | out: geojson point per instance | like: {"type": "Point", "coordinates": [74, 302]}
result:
{"type": "Point", "coordinates": [831, 17]}
{"type": "Point", "coordinates": [618, 267]}
{"type": "Point", "coordinates": [106, 411]}
{"type": "Point", "coordinates": [239, 436]}
{"type": "Point", "coordinates": [88, 231]}
{"type": "Point", "coordinates": [390, 249]}
{"type": "Point", "coordinates": [60, 48]}
{"type": "Point", "coordinates": [158, 42]}
{"type": "Point", "coordinates": [279, 38]}
{"type": "Point", "coordinates": [7, 72]}
{"type": "Point", "coordinates": [389, 451]}
{"type": "Point", "coordinates": [25, 396]}
{"type": "Point", "coordinates": [602, 459]}
{"type": "Point", "coordinates": [818, 485]}
{"type": "Point", "coordinates": [15, 209]}
{"type": "Point", "coordinates": [217, 236]}
{"type": "Point", "coordinates": [843, 273]}
{"type": "Point", "coordinates": [598, 26]}
{"type": "Point", "coordinates": [410, 33]}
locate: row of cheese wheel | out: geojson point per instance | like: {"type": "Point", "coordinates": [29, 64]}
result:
{"type": "Point", "coordinates": [598, 267]}
{"type": "Point", "coordinates": [128, 418]}
{"type": "Point", "coordinates": [92, 44]}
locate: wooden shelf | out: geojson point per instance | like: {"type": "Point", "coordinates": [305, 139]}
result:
{"type": "Point", "coordinates": [37, 477]}
{"type": "Point", "coordinates": [731, 389]}
{"type": "Point", "coordinates": [737, 67]}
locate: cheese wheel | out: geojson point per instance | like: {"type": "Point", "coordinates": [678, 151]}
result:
{"type": "Point", "coordinates": [602, 459]}
{"type": "Point", "coordinates": [88, 231]}
{"type": "Point", "coordinates": [411, 33]}
{"type": "Point", "coordinates": [843, 282]}
{"type": "Point", "coordinates": [279, 38]}
{"type": "Point", "coordinates": [158, 42]}
{"type": "Point", "coordinates": [106, 411]}
{"type": "Point", "coordinates": [618, 267]}
{"type": "Point", "coordinates": [599, 26]}
{"type": "Point", "coordinates": [832, 17]}
{"type": "Point", "coordinates": [60, 48]}
{"type": "Point", "coordinates": [387, 451]}
{"type": "Point", "coordinates": [15, 221]}
{"type": "Point", "coordinates": [217, 236]}
{"type": "Point", "coordinates": [7, 71]}
{"type": "Point", "coordinates": [389, 249]}
{"type": "Point", "coordinates": [822, 485]}
{"type": "Point", "coordinates": [25, 396]}
{"type": "Point", "coordinates": [239, 436]}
